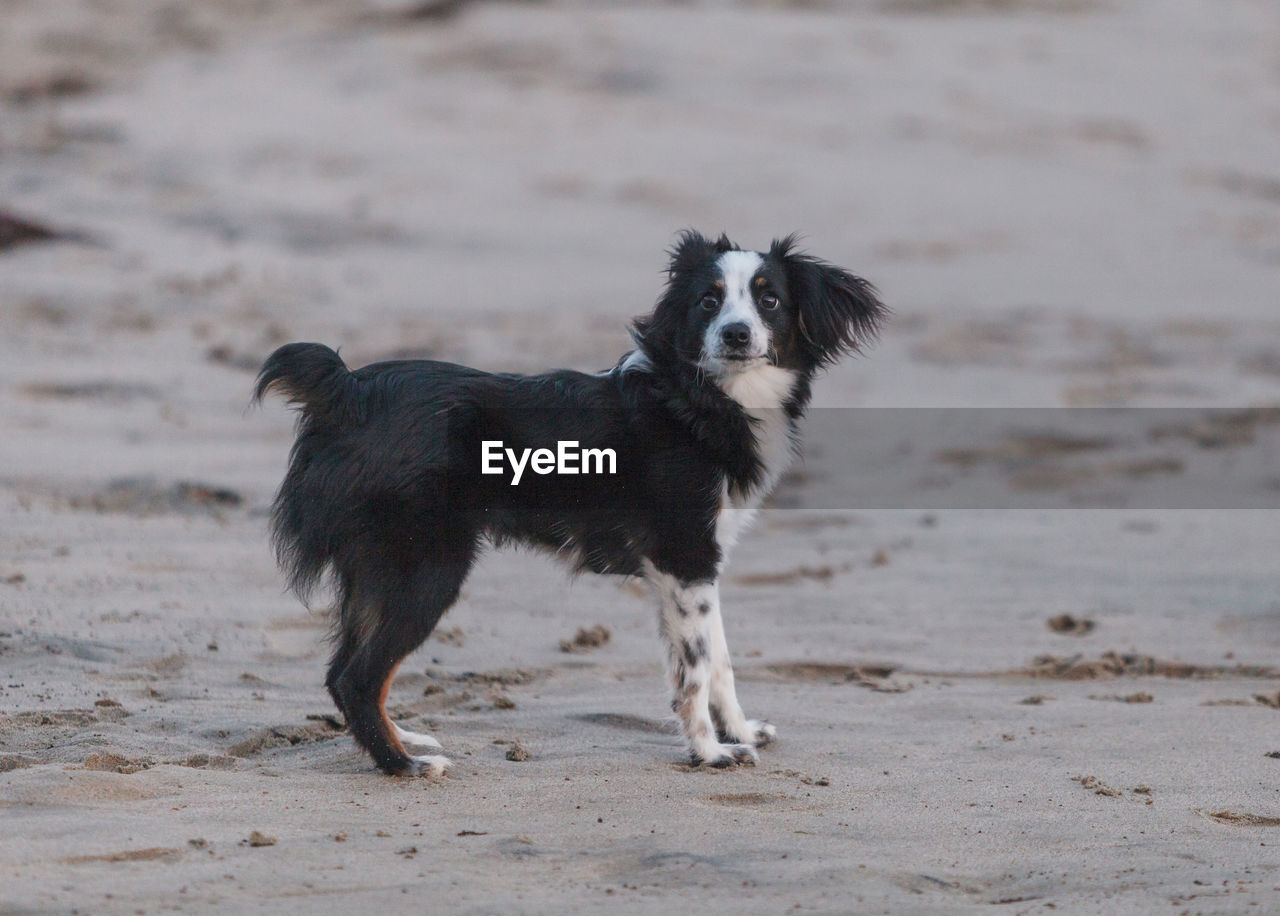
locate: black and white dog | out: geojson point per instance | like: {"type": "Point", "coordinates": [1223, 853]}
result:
{"type": "Point", "coordinates": [397, 478]}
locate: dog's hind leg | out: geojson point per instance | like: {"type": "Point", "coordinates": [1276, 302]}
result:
{"type": "Point", "coordinates": [347, 642]}
{"type": "Point", "coordinates": [406, 610]}
{"type": "Point", "coordinates": [345, 646]}
{"type": "Point", "coordinates": [348, 632]}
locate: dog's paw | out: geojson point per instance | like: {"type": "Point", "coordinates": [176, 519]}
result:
{"type": "Point", "coordinates": [754, 732]}
{"type": "Point", "coordinates": [416, 739]}
{"type": "Point", "coordinates": [431, 766]}
{"type": "Point", "coordinates": [762, 733]}
{"type": "Point", "coordinates": [720, 756]}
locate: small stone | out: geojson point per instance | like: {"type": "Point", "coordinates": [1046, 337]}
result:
{"type": "Point", "coordinates": [1072, 626]}
{"type": "Point", "coordinates": [586, 639]}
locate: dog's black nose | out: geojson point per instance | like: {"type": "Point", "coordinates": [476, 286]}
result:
{"type": "Point", "coordinates": [736, 335]}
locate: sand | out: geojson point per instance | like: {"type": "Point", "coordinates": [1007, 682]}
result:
{"type": "Point", "coordinates": [1069, 705]}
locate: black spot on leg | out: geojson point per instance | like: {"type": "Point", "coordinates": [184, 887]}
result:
{"type": "Point", "coordinates": [684, 698]}
{"type": "Point", "coordinates": [722, 733]}
{"type": "Point", "coordinates": [694, 651]}
{"type": "Point", "coordinates": [683, 702]}
{"type": "Point", "coordinates": [704, 608]}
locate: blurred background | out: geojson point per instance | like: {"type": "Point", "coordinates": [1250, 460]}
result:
{"type": "Point", "coordinates": [1066, 202]}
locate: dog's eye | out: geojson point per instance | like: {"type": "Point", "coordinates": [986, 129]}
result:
{"type": "Point", "coordinates": [710, 303]}
{"type": "Point", "coordinates": [769, 301]}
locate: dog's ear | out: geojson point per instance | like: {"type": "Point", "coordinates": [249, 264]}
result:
{"type": "Point", "coordinates": [723, 244]}
{"type": "Point", "coordinates": [838, 312]}
{"type": "Point", "coordinates": [693, 249]}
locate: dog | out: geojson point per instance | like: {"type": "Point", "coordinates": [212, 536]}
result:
{"type": "Point", "coordinates": [397, 477]}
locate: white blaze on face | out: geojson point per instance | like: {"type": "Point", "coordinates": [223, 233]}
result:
{"type": "Point", "coordinates": [737, 268]}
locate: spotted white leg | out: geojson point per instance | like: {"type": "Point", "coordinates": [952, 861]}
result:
{"type": "Point", "coordinates": [731, 725]}
{"type": "Point", "coordinates": [415, 739]}
{"type": "Point", "coordinates": [686, 628]}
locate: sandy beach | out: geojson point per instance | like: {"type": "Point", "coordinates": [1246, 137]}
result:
{"type": "Point", "coordinates": [1037, 670]}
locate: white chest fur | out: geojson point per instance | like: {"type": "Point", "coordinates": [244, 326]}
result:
{"type": "Point", "coordinates": [761, 390]}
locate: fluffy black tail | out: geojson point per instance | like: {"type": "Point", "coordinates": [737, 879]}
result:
{"type": "Point", "coordinates": [307, 522]}
{"type": "Point", "coordinates": [312, 376]}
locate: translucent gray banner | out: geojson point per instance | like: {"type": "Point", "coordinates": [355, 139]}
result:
{"type": "Point", "coordinates": [975, 458]}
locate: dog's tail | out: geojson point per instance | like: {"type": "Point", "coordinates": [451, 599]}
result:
{"type": "Point", "coordinates": [313, 377]}
{"type": "Point", "coordinates": [306, 521]}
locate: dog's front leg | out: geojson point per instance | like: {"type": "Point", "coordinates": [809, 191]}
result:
{"type": "Point", "coordinates": [688, 610]}
{"type": "Point", "coordinates": [731, 725]}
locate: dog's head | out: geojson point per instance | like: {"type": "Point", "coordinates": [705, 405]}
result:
{"type": "Point", "coordinates": [727, 310]}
